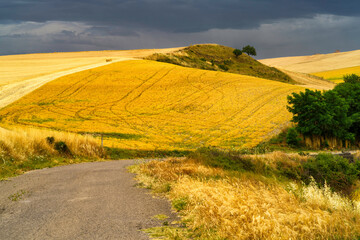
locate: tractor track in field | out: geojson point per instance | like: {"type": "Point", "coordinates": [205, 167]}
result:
{"type": "Point", "coordinates": [12, 92]}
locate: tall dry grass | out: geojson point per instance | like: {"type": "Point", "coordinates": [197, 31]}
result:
{"type": "Point", "coordinates": [21, 143]}
{"type": "Point", "coordinates": [219, 205]}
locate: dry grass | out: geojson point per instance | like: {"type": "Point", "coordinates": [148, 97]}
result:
{"type": "Point", "coordinates": [286, 159]}
{"type": "Point", "coordinates": [152, 105]}
{"type": "Point", "coordinates": [21, 143]}
{"type": "Point", "coordinates": [227, 207]}
{"type": "Point", "coordinates": [317, 62]}
{"type": "Point", "coordinates": [310, 81]}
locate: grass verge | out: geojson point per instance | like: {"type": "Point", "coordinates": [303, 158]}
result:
{"type": "Point", "coordinates": [25, 149]}
{"type": "Point", "coordinates": [222, 196]}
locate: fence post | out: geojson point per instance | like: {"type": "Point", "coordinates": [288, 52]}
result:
{"type": "Point", "coordinates": [102, 140]}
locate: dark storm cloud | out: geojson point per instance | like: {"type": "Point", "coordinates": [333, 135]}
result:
{"type": "Point", "coordinates": [172, 15]}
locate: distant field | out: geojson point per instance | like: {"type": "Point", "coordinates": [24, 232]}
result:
{"type": "Point", "coordinates": [316, 63]}
{"type": "Point", "coordinates": [21, 74]}
{"type": "Point", "coordinates": [338, 74]}
{"type": "Point", "coordinates": [151, 105]}
{"type": "Point", "coordinates": [14, 68]}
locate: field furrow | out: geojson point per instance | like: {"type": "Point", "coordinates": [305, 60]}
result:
{"type": "Point", "coordinates": [148, 105]}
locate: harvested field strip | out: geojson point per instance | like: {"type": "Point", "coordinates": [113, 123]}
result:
{"type": "Point", "coordinates": [169, 107]}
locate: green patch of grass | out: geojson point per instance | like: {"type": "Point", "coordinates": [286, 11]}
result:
{"type": "Point", "coordinates": [170, 233]}
{"type": "Point", "coordinates": [118, 153]}
{"type": "Point", "coordinates": [221, 58]}
{"type": "Point", "coordinates": [10, 167]}
{"type": "Point", "coordinates": [161, 217]}
{"type": "Point", "coordinates": [44, 103]}
{"type": "Point", "coordinates": [38, 120]}
{"type": "Point", "coordinates": [115, 135]}
{"type": "Point", "coordinates": [19, 195]}
{"type": "Point", "coordinates": [180, 203]}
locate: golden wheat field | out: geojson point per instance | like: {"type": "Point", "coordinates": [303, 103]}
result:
{"type": "Point", "coordinates": [338, 74]}
{"type": "Point", "coordinates": [21, 74]}
{"type": "Point", "coordinates": [15, 68]}
{"type": "Point", "coordinates": [151, 105]}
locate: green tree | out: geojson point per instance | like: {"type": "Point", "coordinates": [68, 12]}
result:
{"type": "Point", "coordinates": [249, 50]}
{"type": "Point", "coordinates": [351, 78]}
{"type": "Point", "coordinates": [338, 122]}
{"type": "Point", "coordinates": [351, 93]}
{"type": "Point", "coordinates": [309, 112]}
{"type": "Point", "coordinates": [237, 52]}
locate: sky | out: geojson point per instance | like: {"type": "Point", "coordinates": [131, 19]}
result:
{"type": "Point", "coordinates": [275, 28]}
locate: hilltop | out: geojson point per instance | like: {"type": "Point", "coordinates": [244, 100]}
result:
{"type": "Point", "coordinates": [220, 58]}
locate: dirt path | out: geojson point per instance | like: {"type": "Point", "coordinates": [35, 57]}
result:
{"type": "Point", "coordinates": [12, 92]}
{"type": "Point", "coordinates": [81, 201]}
{"type": "Point", "coordinates": [309, 81]}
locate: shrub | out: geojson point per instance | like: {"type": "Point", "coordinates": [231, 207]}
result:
{"type": "Point", "coordinates": [62, 148]}
{"type": "Point", "coordinates": [223, 67]}
{"type": "Point", "coordinates": [50, 140]}
{"type": "Point", "coordinates": [336, 171]}
{"type": "Point", "coordinates": [216, 158]}
{"type": "Point", "coordinates": [292, 137]}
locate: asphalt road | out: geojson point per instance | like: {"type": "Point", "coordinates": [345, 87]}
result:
{"type": "Point", "coordinates": [81, 201]}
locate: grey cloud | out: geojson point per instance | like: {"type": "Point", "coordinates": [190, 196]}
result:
{"type": "Point", "coordinates": [321, 34]}
{"type": "Point", "coordinates": [173, 15]}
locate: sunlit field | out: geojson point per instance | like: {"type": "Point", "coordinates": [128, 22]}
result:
{"type": "Point", "coordinates": [15, 68]}
{"type": "Point", "coordinates": [338, 74]}
{"type": "Point", "coordinates": [22, 74]}
{"type": "Point", "coordinates": [152, 105]}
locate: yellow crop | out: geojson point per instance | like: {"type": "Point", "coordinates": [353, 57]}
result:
{"type": "Point", "coordinates": [338, 74]}
{"type": "Point", "coordinates": [151, 105]}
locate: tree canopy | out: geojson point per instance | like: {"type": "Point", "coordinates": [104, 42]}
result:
{"type": "Point", "coordinates": [237, 52]}
{"type": "Point", "coordinates": [333, 113]}
{"type": "Point", "coordinates": [249, 50]}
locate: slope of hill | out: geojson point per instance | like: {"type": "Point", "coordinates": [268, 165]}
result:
{"type": "Point", "coordinates": [317, 62]}
{"type": "Point", "coordinates": [21, 74]}
{"type": "Point", "coordinates": [310, 81]}
{"type": "Point", "coordinates": [148, 105]}
{"type": "Point", "coordinates": [220, 58]}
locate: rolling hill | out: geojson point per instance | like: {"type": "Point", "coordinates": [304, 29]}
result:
{"type": "Point", "coordinates": [21, 74]}
{"type": "Point", "coordinates": [151, 105]}
{"type": "Point", "coordinates": [220, 58]}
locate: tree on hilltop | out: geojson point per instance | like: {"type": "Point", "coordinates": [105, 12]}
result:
{"type": "Point", "coordinates": [237, 52]}
{"type": "Point", "coordinates": [249, 50]}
